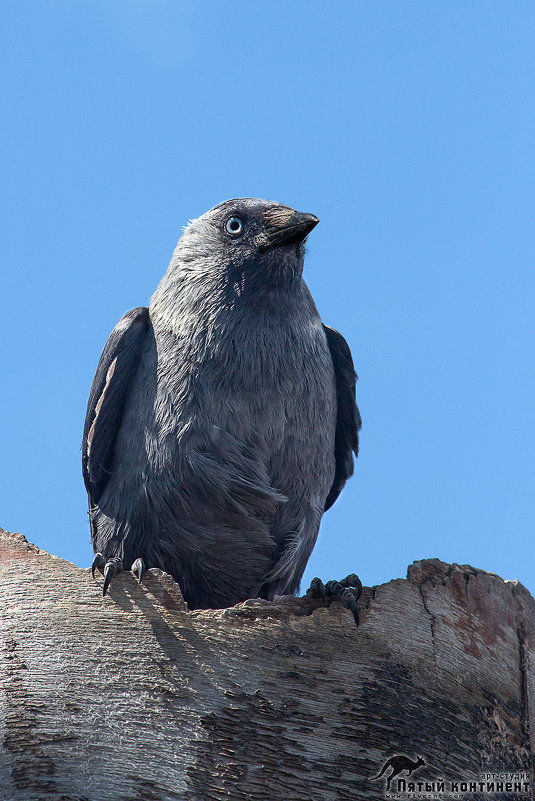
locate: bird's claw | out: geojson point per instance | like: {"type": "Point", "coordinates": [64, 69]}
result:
{"type": "Point", "coordinates": [138, 568]}
{"type": "Point", "coordinates": [112, 566]}
{"type": "Point", "coordinates": [98, 562]}
{"type": "Point", "coordinates": [340, 590]}
{"type": "Point", "coordinates": [108, 568]}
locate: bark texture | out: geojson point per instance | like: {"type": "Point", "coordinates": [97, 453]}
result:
{"type": "Point", "coordinates": [133, 698]}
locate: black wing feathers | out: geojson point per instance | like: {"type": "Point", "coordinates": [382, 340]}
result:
{"type": "Point", "coordinates": [105, 407]}
{"type": "Point", "coordinates": [348, 420]}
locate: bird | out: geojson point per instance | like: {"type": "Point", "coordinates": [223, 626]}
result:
{"type": "Point", "coordinates": [222, 419]}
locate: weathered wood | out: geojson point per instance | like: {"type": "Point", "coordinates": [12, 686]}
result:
{"type": "Point", "coordinates": [132, 697]}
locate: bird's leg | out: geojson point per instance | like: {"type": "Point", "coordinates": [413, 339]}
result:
{"type": "Point", "coordinates": [340, 591]}
{"type": "Point", "coordinates": [108, 568]}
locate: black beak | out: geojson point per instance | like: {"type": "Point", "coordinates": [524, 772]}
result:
{"type": "Point", "coordinates": [287, 229]}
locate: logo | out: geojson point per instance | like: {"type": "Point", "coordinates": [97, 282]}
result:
{"type": "Point", "coordinates": [397, 772]}
{"type": "Point", "coordinates": [398, 765]}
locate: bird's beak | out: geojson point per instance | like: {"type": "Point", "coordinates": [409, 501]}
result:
{"type": "Point", "coordinates": [283, 226]}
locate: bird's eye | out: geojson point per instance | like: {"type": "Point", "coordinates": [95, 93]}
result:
{"type": "Point", "coordinates": [234, 226]}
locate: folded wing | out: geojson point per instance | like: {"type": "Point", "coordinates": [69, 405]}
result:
{"type": "Point", "coordinates": [348, 422]}
{"type": "Point", "coordinates": [109, 391]}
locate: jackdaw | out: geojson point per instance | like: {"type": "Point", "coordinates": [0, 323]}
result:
{"type": "Point", "coordinates": [222, 419]}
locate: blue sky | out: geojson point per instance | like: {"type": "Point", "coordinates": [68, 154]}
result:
{"type": "Point", "coordinates": [407, 127]}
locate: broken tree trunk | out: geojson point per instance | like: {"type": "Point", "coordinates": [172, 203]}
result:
{"type": "Point", "coordinates": [132, 697]}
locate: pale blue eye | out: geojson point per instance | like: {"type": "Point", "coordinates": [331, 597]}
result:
{"type": "Point", "coordinates": [234, 226]}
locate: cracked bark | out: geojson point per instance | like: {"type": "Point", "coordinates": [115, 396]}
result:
{"type": "Point", "coordinates": [133, 697]}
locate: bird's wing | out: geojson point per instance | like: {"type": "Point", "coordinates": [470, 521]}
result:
{"type": "Point", "coordinates": [109, 390]}
{"type": "Point", "coordinates": [348, 420]}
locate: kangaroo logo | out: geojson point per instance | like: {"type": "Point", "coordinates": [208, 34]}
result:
{"type": "Point", "coordinates": [398, 765]}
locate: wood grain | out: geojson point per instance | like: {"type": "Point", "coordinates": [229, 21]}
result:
{"type": "Point", "coordinates": [133, 698]}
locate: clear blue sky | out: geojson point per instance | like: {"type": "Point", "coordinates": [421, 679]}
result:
{"type": "Point", "coordinates": [407, 127]}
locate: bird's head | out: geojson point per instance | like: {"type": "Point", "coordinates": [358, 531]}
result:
{"type": "Point", "coordinates": [250, 243]}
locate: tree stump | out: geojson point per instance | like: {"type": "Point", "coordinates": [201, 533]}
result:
{"type": "Point", "coordinates": [133, 698]}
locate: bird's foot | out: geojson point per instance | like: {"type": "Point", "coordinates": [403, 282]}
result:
{"type": "Point", "coordinates": [114, 565]}
{"type": "Point", "coordinates": [339, 590]}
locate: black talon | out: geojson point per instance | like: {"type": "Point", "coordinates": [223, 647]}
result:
{"type": "Point", "coordinates": [112, 567]}
{"type": "Point", "coordinates": [336, 589]}
{"type": "Point", "coordinates": [350, 602]}
{"type": "Point", "coordinates": [138, 568]}
{"type": "Point", "coordinates": [355, 611]}
{"type": "Point", "coordinates": [99, 562]}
